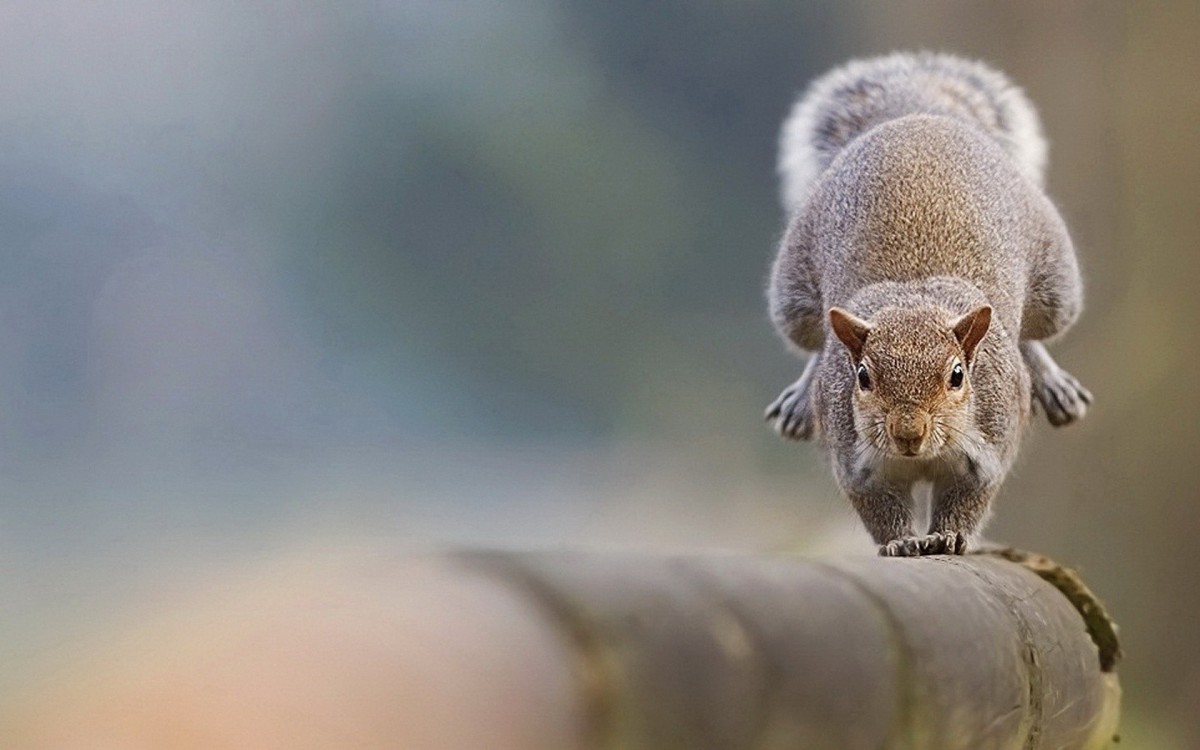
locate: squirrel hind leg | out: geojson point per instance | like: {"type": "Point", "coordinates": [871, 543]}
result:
{"type": "Point", "coordinates": [791, 413]}
{"type": "Point", "coordinates": [1061, 396]}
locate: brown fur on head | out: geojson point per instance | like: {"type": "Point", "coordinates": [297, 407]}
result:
{"type": "Point", "coordinates": [911, 367]}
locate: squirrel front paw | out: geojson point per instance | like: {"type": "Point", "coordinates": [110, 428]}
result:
{"type": "Point", "coordinates": [1061, 396]}
{"type": "Point", "coordinates": [937, 543]}
{"type": "Point", "coordinates": [791, 414]}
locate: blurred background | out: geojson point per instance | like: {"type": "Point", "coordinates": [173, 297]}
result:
{"type": "Point", "coordinates": [317, 275]}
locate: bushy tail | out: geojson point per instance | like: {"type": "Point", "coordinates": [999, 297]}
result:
{"type": "Point", "coordinates": [852, 99]}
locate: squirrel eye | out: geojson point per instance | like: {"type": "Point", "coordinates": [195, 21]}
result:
{"type": "Point", "coordinates": [956, 377]}
{"type": "Point", "coordinates": [864, 377]}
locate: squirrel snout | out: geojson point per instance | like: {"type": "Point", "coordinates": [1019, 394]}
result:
{"type": "Point", "coordinates": [908, 429]}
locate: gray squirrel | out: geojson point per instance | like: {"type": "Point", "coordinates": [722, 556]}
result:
{"type": "Point", "coordinates": [923, 266]}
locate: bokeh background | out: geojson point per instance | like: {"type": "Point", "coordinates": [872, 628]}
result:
{"type": "Point", "coordinates": [316, 275]}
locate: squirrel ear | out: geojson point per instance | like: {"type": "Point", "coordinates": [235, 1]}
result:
{"type": "Point", "coordinates": [852, 331]}
{"type": "Point", "coordinates": [970, 328]}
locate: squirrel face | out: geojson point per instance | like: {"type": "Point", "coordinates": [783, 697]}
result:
{"type": "Point", "coordinates": [911, 369]}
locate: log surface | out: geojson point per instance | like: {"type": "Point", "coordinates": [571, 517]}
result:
{"type": "Point", "coordinates": [732, 652]}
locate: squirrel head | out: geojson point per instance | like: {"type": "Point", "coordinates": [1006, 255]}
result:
{"type": "Point", "coordinates": [911, 368]}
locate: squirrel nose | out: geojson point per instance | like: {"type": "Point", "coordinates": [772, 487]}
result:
{"type": "Point", "coordinates": [908, 429]}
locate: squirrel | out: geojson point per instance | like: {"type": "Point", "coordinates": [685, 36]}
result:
{"type": "Point", "coordinates": [923, 266]}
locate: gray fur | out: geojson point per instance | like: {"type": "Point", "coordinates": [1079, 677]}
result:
{"type": "Point", "coordinates": [850, 100]}
{"type": "Point", "coordinates": [915, 183]}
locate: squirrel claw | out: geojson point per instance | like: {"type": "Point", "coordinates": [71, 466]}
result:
{"type": "Point", "coordinates": [937, 543]}
{"type": "Point", "coordinates": [903, 547]}
{"type": "Point", "coordinates": [791, 413]}
{"type": "Point", "coordinates": [1061, 396]}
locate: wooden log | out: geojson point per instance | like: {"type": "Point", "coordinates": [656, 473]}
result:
{"type": "Point", "coordinates": [760, 653]}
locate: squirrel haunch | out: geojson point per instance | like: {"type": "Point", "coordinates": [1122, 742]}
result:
{"type": "Point", "coordinates": [922, 266]}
